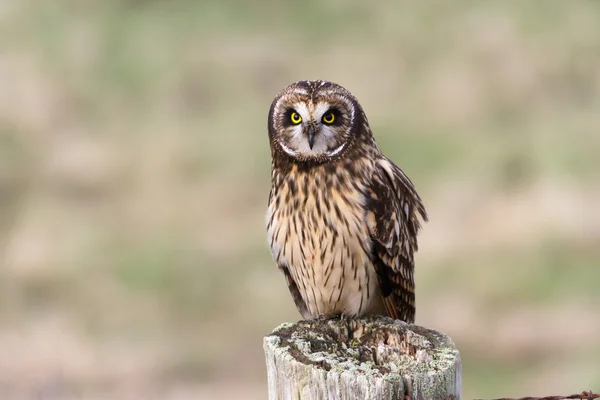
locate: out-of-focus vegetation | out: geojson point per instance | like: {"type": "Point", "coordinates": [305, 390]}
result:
{"type": "Point", "coordinates": [134, 173]}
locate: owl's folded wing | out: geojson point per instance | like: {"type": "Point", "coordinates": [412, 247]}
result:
{"type": "Point", "coordinates": [394, 209]}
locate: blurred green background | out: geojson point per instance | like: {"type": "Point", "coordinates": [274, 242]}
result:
{"type": "Point", "coordinates": [134, 174]}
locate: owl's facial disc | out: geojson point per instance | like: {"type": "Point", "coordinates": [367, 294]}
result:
{"type": "Point", "coordinates": [313, 130]}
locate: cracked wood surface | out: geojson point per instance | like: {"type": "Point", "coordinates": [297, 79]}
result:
{"type": "Point", "coordinates": [370, 358]}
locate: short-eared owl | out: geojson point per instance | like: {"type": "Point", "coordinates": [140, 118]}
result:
{"type": "Point", "coordinates": [342, 219]}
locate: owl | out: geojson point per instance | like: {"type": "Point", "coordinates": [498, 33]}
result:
{"type": "Point", "coordinates": [342, 219]}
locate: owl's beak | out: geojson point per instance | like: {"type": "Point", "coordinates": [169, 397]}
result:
{"type": "Point", "coordinates": [312, 132]}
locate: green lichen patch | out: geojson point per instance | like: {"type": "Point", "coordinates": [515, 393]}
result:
{"type": "Point", "coordinates": [375, 346]}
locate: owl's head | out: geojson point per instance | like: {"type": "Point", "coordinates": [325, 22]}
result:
{"type": "Point", "coordinates": [314, 121]}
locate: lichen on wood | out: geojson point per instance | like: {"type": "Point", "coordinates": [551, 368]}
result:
{"type": "Point", "coordinates": [371, 358]}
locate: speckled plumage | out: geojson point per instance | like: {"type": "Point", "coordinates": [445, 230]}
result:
{"type": "Point", "coordinates": [342, 219]}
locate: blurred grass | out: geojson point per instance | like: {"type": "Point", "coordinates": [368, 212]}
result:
{"type": "Point", "coordinates": [134, 173]}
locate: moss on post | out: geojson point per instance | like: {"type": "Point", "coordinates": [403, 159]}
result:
{"type": "Point", "coordinates": [371, 358]}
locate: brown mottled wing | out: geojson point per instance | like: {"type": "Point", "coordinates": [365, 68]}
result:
{"type": "Point", "coordinates": [394, 210]}
{"type": "Point", "coordinates": [300, 304]}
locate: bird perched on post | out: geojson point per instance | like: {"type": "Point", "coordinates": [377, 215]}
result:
{"type": "Point", "coordinates": [342, 219]}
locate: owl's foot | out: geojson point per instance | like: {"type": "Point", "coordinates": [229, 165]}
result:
{"type": "Point", "coordinates": [343, 327]}
{"type": "Point", "coordinates": [328, 317]}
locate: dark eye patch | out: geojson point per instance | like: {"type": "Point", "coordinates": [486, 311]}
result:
{"type": "Point", "coordinates": [337, 116]}
{"type": "Point", "coordinates": [287, 117]}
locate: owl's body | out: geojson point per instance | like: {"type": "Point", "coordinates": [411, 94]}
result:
{"type": "Point", "coordinates": [342, 219]}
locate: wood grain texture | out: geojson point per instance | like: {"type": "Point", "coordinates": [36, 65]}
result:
{"type": "Point", "coordinates": [371, 358]}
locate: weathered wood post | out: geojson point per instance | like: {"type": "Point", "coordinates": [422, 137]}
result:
{"type": "Point", "coordinates": [371, 358]}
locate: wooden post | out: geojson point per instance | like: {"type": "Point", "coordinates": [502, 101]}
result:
{"type": "Point", "coordinates": [371, 358]}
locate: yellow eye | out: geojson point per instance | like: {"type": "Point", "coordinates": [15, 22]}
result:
{"type": "Point", "coordinates": [295, 118]}
{"type": "Point", "coordinates": [329, 118]}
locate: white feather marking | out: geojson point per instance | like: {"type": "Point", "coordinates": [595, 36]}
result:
{"type": "Point", "coordinates": [321, 108]}
{"type": "Point", "coordinates": [335, 151]}
{"type": "Point", "coordinates": [302, 109]}
{"type": "Point", "coordinates": [276, 108]}
{"type": "Point", "coordinates": [387, 168]}
{"type": "Point", "coordinates": [288, 150]}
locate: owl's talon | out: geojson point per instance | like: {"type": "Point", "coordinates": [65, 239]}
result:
{"type": "Point", "coordinates": [328, 317]}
